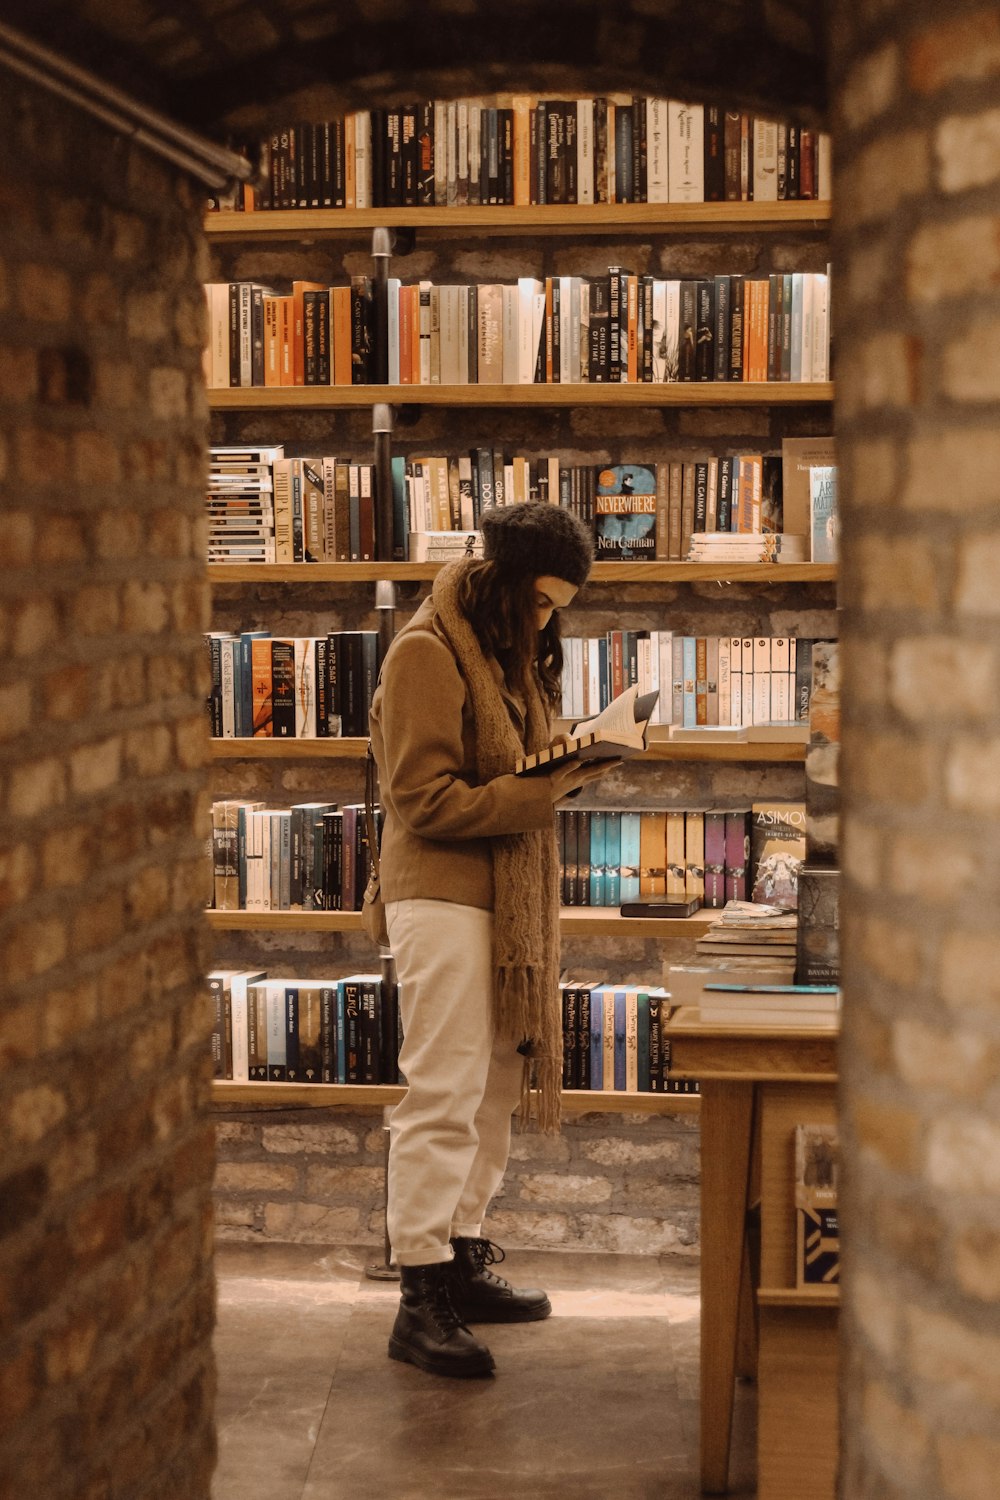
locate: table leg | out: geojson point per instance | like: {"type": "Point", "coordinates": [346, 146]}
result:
{"type": "Point", "coordinates": [726, 1128]}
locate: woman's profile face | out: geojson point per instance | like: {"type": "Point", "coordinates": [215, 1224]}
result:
{"type": "Point", "coordinates": [551, 594]}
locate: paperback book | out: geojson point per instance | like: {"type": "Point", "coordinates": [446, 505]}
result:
{"type": "Point", "coordinates": [618, 733]}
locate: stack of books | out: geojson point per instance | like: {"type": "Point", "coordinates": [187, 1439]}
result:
{"type": "Point", "coordinates": [752, 929]}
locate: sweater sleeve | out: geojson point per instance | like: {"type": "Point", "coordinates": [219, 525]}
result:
{"type": "Point", "coordinates": [422, 696]}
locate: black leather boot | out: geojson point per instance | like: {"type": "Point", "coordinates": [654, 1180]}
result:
{"type": "Point", "coordinates": [482, 1297]}
{"type": "Point", "coordinates": [429, 1332]}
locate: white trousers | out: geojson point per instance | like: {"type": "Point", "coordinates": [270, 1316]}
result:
{"type": "Point", "coordinates": [449, 1137]}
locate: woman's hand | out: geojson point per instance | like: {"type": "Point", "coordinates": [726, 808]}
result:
{"type": "Point", "coordinates": [570, 778]}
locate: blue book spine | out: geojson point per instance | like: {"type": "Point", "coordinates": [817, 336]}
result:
{"type": "Point", "coordinates": [690, 674]}
{"type": "Point", "coordinates": [598, 882]}
{"type": "Point", "coordinates": [400, 511]}
{"type": "Point", "coordinates": [612, 858]}
{"type": "Point", "coordinates": [630, 856]}
{"type": "Point", "coordinates": [642, 1043]}
{"type": "Point", "coordinates": [596, 1038]}
{"type": "Point", "coordinates": [620, 1040]}
{"type": "Point", "coordinates": [246, 676]}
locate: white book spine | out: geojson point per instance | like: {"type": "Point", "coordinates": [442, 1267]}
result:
{"type": "Point", "coordinates": [511, 343]}
{"type": "Point", "coordinates": [238, 1013]}
{"type": "Point", "coordinates": [566, 337]}
{"type": "Point", "coordinates": [462, 151]}
{"type": "Point", "coordinates": [665, 651]}
{"type": "Point", "coordinates": [228, 689]}
{"type": "Point", "coordinates": [686, 152]}
{"type": "Point", "coordinates": [452, 154]}
{"type": "Point", "coordinates": [796, 328]}
{"type": "Point", "coordinates": [725, 681]}
{"type": "Point", "coordinates": [527, 289]}
{"type": "Point", "coordinates": [537, 323]}
{"type": "Point", "coordinates": [808, 326]}
{"type": "Point", "coordinates": [735, 697]}
{"type": "Point", "coordinates": [821, 328]}
{"type": "Point", "coordinates": [593, 677]}
{"type": "Point", "coordinates": [824, 167]}
{"type": "Point", "coordinates": [585, 151]}
{"type": "Point", "coordinates": [657, 177]}
{"type": "Point", "coordinates": [363, 159]}
{"type": "Point", "coordinates": [462, 370]}
{"type": "Point", "coordinates": [440, 153]}
{"type": "Point", "coordinates": [765, 161]}
{"type": "Point", "coordinates": [475, 139]}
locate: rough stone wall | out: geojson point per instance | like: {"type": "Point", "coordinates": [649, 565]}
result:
{"type": "Point", "coordinates": [613, 1182]}
{"type": "Point", "coordinates": [918, 384]}
{"type": "Point", "coordinates": [106, 1290]}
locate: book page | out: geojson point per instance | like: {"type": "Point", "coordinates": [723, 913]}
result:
{"type": "Point", "coordinates": [623, 717]}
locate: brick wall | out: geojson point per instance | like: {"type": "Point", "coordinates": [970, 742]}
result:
{"type": "Point", "coordinates": [106, 1292]}
{"type": "Point", "coordinates": [918, 383]}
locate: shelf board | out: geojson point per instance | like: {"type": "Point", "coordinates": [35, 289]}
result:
{"type": "Point", "coordinates": [259, 747]}
{"type": "Point", "coordinates": [606, 572]}
{"type": "Point", "coordinates": [745, 752]}
{"type": "Point", "coordinates": [801, 1296]}
{"type": "Point", "coordinates": [360, 1095]}
{"type": "Point", "coordinates": [574, 921]}
{"type": "Point", "coordinates": [608, 218]}
{"type": "Point", "coordinates": [589, 393]}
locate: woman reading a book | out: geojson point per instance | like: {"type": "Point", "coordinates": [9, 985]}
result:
{"type": "Point", "coordinates": [469, 876]}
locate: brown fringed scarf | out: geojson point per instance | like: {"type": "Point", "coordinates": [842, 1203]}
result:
{"type": "Point", "coordinates": [526, 1003]}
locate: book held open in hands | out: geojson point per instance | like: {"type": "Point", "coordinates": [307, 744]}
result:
{"type": "Point", "coordinates": [616, 733]}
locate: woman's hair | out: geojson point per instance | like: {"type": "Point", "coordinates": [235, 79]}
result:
{"type": "Point", "coordinates": [501, 608]}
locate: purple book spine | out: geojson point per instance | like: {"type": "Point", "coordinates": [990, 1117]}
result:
{"type": "Point", "coordinates": [737, 855]}
{"type": "Point", "coordinates": [715, 859]}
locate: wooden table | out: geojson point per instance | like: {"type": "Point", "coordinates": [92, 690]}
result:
{"type": "Point", "coordinates": [757, 1083]}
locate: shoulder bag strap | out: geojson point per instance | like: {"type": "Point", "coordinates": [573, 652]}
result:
{"type": "Point", "coordinates": [371, 778]}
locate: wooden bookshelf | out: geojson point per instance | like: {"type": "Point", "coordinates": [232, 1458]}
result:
{"type": "Point", "coordinates": [652, 573]}
{"type": "Point", "coordinates": [363, 1096]}
{"type": "Point", "coordinates": [732, 752]}
{"type": "Point", "coordinates": [571, 218]}
{"type": "Point", "coordinates": [587, 393]}
{"type": "Point", "coordinates": [575, 921]}
{"type": "Point", "coordinates": [802, 1296]}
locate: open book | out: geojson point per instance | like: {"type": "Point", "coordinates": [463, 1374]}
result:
{"type": "Point", "coordinates": [617, 732]}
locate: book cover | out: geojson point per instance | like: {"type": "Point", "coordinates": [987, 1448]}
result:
{"type": "Point", "coordinates": [777, 852]}
{"type": "Point", "coordinates": [817, 1239]}
{"type": "Point", "coordinates": [823, 513]}
{"type": "Point", "coordinates": [818, 931]}
{"type": "Point", "coordinates": [625, 510]}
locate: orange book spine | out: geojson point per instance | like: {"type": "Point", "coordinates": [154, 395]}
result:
{"type": "Point", "coordinates": [350, 161]}
{"type": "Point", "coordinates": [405, 337]}
{"type": "Point", "coordinates": [340, 322]}
{"type": "Point", "coordinates": [285, 340]}
{"type": "Point", "coordinates": [633, 329]}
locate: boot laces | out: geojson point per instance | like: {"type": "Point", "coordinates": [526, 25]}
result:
{"type": "Point", "coordinates": [438, 1294]}
{"type": "Point", "coordinates": [484, 1253]}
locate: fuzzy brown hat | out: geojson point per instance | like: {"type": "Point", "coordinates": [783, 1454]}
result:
{"type": "Point", "coordinates": [536, 538]}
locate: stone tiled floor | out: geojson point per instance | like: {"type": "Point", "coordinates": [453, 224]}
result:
{"type": "Point", "coordinates": [599, 1402]}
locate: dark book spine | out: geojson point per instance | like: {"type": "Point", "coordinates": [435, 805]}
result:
{"type": "Point", "coordinates": [614, 325]}
{"type": "Point", "coordinates": [724, 500]}
{"type": "Point", "coordinates": [700, 495]}
{"type": "Point", "coordinates": [507, 156]}
{"type": "Point", "coordinates": [793, 162]}
{"type": "Point", "coordinates": [352, 1030]}
{"type": "Point", "coordinates": [292, 1071]}
{"type": "Point", "coordinates": [688, 335]}
{"type": "Point", "coordinates": [257, 335]}
{"type": "Point", "coordinates": [583, 1038]}
{"type": "Point", "coordinates": [731, 148]}
{"type": "Point", "coordinates": [736, 326]}
{"type": "Point", "coordinates": [775, 291]}
{"type": "Point", "coordinates": [722, 327]}
{"type": "Point", "coordinates": [361, 298]}
{"type": "Point", "coordinates": [705, 335]}
{"type": "Point", "coordinates": [425, 155]}
{"type": "Point", "coordinates": [322, 336]}
{"type": "Point", "coordinates": [393, 158]}
{"type": "Point", "coordinates": [636, 194]}
{"type": "Point", "coordinates": [646, 304]}
{"type": "Point", "coordinates": [569, 1036]}
{"type": "Point", "coordinates": [715, 161]}
{"type": "Point", "coordinates": [337, 160]}
{"type": "Point", "coordinates": [309, 339]}
{"type": "Point", "coordinates": [324, 147]}
{"type": "Point", "coordinates": [655, 1047]}
{"type": "Point", "coordinates": [389, 1031]}
{"type": "Point", "coordinates": [328, 1033]}
{"type": "Point", "coordinates": [370, 1040]}
{"type": "Point", "coordinates": [623, 155]}
{"type": "Point", "coordinates": [379, 129]}
{"type": "Point", "coordinates": [409, 152]}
